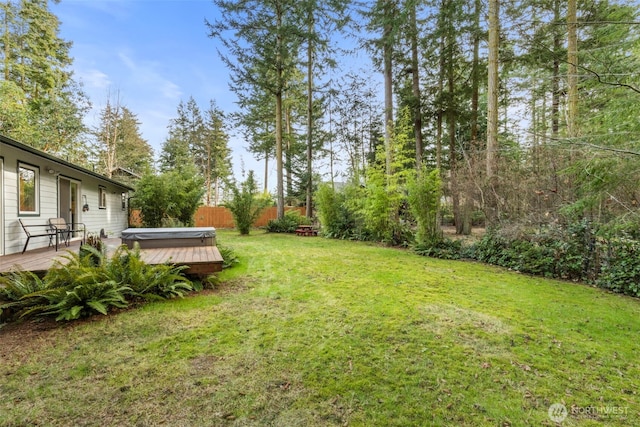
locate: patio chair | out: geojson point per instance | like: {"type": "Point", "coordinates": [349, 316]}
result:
{"type": "Point", "coordinates": [64, 230]}
{"type": "Point", "coordinates": [40, 230]}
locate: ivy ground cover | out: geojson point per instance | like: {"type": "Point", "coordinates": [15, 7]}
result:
{"type": "Point", "coordinates": [318, 332]}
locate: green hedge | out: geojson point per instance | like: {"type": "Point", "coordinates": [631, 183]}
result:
{"type": "Point", "coordinates": [575, 252]}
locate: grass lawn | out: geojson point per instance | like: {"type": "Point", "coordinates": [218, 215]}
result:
{"type": "Point", "coordinates": [315, 332]}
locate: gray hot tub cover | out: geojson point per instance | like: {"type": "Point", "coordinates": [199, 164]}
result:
{"type": "Point", "coordinates": [168, 233]}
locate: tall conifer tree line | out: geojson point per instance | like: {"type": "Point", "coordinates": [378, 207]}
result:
{"type": "Point", "coordinates": [527, 109]}
{"type": "Point", "coordinates": [516, 104]}
{"type": "Point", "coordinates": [41, 103]}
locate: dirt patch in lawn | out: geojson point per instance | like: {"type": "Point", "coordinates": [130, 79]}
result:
{"type": "Point", "coordinates": [24, 336]}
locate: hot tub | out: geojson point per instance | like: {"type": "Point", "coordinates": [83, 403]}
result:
{"type": "Point", "coordinates": [169, 237]}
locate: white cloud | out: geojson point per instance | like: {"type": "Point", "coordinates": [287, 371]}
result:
{"type": "Point", "coordinates": [145, 76]}
{"type": "Point", "coordinates": [94, 79]}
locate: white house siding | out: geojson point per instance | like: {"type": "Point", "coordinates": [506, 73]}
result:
{"type": "Point", "coordinates": [112, 219]}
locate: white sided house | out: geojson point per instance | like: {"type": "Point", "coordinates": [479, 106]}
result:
{"type": "Point", "coordinates": [36, 186]}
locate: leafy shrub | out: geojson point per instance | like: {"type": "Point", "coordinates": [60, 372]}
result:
{"type": "Point", "coordinates": [94, 249]}
{"type": "Point", "coordinates": [288, 223]}
{"type": "Point", "coordinates": [146, 281]}
{"type": "Point", "coordinates": [77, 286]}
{"type": "Point", "coordinates": [620, 268]}
{"type": "Point", "coordinates": [77, 269]}
{"type": "Point", "coordinates": [228, 255]}
{"type": "Point", "coordinates": [425, 192]}
{"type": "Point", "coordinates": [164, 281]}
{"type": "Point", "coordinates": [17, 291]}
{"type": "Point", "coordinates": [82, 300]}
{"type": "Point", "coordinates": [566, 252]}
{"type": "Point", "coordinates": [173, 196]}
{"type": "Point", "coordinates": [328, 203]}
{"type": "Point", "coordinates": [246, 205]}
{"type": "Point", "coordinates": [442, 248]}
{"type": "Point", "coordinates": [492, 249]}
{"type": "Point", "coordinates": [338, 220]}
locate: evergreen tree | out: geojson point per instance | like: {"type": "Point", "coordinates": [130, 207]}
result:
{"type": "Point", "coordinates": [258, 127]}
{"type": "Point", "coordinates": [186, 136]}
{"type": "Point", "coordinates": [37, 61]}
{"type": "Point", "coordinates": [119, 143]}
{"type": "Point", "coordinates": [263, 40]}
{"type": "Point", "coordinates": [215, 154]}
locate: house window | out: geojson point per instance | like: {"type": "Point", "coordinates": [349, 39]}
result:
{"type": "Point", "coordinates": [102, 198]}
{"type": "Point", "coordinates": [124, 201]}
{"type": "Point", "coordinates": [28, 189]}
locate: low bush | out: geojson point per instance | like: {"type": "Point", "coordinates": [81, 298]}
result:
{"type": "Point", "coordinates": [81, 286]}
{"type": "Point", "coordinates": [337, 216]}
{"type": "Point", "coordinates": [228, 255]}
{"type": "Point", "coordinates": [82, 300]}
{"type": "Point", "coordinates": [288, 223]}
{"type": "Point", "coordinates": [442, 248]}
{"type": "Point", "coordinates": [147, 281]}
{"type": "Point", "coordinates": [554, 251]}
{"type": "Point", "coordinates": [579, 251]}
{"type": "Point", "coordinates": [16, 290]}
{"type": "Point", "coordinates": [620, 266]}
{"type": "Point", "coordinates": [246, 203]}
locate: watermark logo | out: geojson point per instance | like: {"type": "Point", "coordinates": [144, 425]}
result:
{"type": "Point", "coordinates": [558, 412]}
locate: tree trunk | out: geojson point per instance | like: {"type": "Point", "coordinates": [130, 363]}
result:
{"type": "Point", "coordinates": [453, 152]}
{"type": "Point", "coordinates": [572, 59]}
{"type": "Point", "coordinates": [309, 183]}
{"type": "Point", "coordinates": [266, 171]}
{"type": "Point", "coordinates": [279, 168]}
{"type": "Point", "coordinates": [208, 181]}
{"type": "Point", "coordinates": [417, 97]}
{"type": "Point", "coordinates": [289, 155]}
{"type": "Point", "coordinates": [388, 85]}
{"type": "Point", "coordinates": [472, 175]}
{"type": "Point", "coordinates": [441, 77]}
{"type": "Point", "coordinates": [492, 109]}
{"type": "Point", "coordinates": [7, 41]}
{"type": "Point", "coordinates": [475, 76]}
{"type": "Point", "coordinates": [555, 81]}
{"type": "Point", "coordinates": [279, 165]}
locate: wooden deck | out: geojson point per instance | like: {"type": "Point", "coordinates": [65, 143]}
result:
{"type": "Point", "coordinates": [202, 260]}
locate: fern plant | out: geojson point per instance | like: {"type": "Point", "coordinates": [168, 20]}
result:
{"type": "Point", "coordinates": [127, 267]}
{"type": "Point", "coordinates": [18, 293]}
{"type": "Point", "coordinates": [228, 255]}
{"type": "Point", "coordinates": [147, 281]}
{"type": "Point", "coordinates": [83, 300]}
{"type": "Point", "coordinates": [73, 269]}
{"type": "Point", "coordinates": [166, 281]}
{"type": "Point", "coordinates": [79, 286]}
{"type": "Point", "coordinates": [94, 250]}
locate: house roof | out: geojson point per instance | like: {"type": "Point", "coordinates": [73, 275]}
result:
{"type": "Point", "coordinates": [29, 149]}
{"type": "Point", "coordinates": [122, 171]}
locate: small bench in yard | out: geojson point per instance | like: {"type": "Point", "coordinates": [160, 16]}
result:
{"type": "Point", "coordinates": [39, 230]}
{"type": "Point", "coordinates": [306, 230]}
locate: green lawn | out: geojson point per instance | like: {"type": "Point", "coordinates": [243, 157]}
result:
{"type": "Point", "coordinates": [310, 331]}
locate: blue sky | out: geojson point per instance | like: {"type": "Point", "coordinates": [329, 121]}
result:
{"type": "Point", "coordinates": [153, 53]}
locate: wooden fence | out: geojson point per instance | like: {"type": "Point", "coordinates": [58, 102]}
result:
{"type": "Point", "coordinates": [220, 217]}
